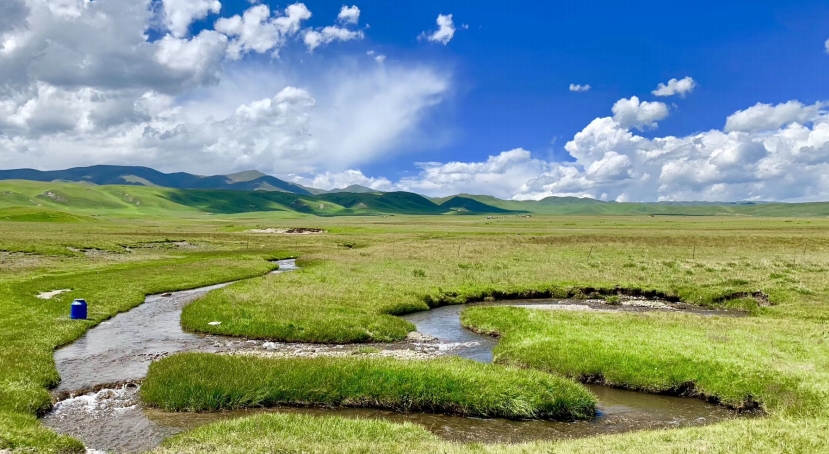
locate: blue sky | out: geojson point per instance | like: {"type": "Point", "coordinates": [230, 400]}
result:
{"type": "Point", "coordinates": [488, 107]}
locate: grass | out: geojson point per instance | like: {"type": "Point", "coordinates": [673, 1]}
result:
{"type": "Point", "coordinates": [285, 433]}
{"type": "Point", "coordinates": [350, 293]}
{"type": "Point", "coordinates": [111, 282]}
{"type": "Point", "coordinates": [205, 382]}
{"type": "Point", "coordinates": [738, 362]}
{"type": "Point", "coordinates": [298, 433]}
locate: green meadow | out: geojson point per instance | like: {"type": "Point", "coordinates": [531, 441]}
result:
{"type": "Point", "coordinates": [364, 270]}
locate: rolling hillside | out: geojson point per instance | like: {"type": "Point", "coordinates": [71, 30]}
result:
{"type": "Point", "coordinates": [85, 201]}
{"type": "Point", "coordinates": [78, 202]}
{"type": "Point", "coordinates": [143, 176]}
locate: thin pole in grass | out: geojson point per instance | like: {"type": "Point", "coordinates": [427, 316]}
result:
{"type": "Point", "coordinates": [590, 253]}
{"type": "Point", "coordinates": [694, 254]}
{"type": "Point", "coordinates": [459, 250]}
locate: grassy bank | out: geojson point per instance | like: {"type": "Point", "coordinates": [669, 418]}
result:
{"type": "Point", "coordinates": [204, 382]}
{"type": "Point", "coordinates": [738, 362]}
{"type": "Point", "coordinates": [284, 433]}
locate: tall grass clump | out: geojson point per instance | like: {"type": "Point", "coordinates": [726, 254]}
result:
{"type": "Point", "coordinates": [205, 382]}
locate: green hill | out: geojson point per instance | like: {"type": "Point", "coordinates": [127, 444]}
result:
{"type": "Point", "coordinates": [87, 200]}
{"type": "Point", "coordinates": [143, 176]}
{"type": "Point", "coordinates": [468, 205]}
{"type": "Point", "coordinates": [32, 201]}
{"type": "Point", "coordinates": [26, 214]}
{"type": "Point", "coordinates": [355, 188]}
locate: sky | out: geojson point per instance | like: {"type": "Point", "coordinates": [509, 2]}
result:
{"type": "Point", "coordinates": [618, 101]}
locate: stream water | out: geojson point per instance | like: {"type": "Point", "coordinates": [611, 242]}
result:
{"type": "Point", "coordinates": [101, 373]}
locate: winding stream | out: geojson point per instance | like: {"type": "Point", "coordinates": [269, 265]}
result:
{"type": "Point", "coordinates": [100, 372]}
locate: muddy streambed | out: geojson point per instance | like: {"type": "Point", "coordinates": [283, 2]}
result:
{"type": "Point", "coordinates": [101, 373]}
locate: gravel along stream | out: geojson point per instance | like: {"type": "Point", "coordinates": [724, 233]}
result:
{"type": "Point", "coordinates": [101, 373]}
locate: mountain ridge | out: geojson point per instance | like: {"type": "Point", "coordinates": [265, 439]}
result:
{"type": "Point", "coordinates": [251, 180]}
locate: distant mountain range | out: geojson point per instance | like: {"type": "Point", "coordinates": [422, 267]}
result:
{"type": "Point", "coordinates": [140, 190]}
{"type": "Point", "coordinates": [143, 176]}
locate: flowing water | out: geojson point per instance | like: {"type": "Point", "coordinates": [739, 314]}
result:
{"type": "Point", "coordinates": [100, 374]}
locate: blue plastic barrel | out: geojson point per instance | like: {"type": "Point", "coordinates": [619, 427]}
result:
{"type": "Point", "coordinates": [78, 310]}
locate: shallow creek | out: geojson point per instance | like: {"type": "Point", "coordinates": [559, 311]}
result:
{"type": "Point", "coordinates": [101, 373]}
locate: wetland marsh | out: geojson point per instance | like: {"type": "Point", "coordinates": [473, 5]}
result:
{"type": "Point", "coordinates": [362, 273]}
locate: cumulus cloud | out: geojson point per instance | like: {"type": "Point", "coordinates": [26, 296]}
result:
{"type": "Point", "coordinates": [631, 113]}
{"type": "Point", "coordinates": [331, 33]}
{"type": "Point", "coordinates": [826, 44]}
{"type": "Point", "coordinates": [676, 87]}
{"type": "Point", "coordinates": [179, 14]}
{"type": "Point", "coordinates": [81, 83]}
{"type": "Point", "coordinates": [444, 33]}
{"type": "Point", "coordinates": [579, 88]}
{"type": "Point", "coordinates": [200, 57]}
{"type": "Point", "coordinates": [340, 180]}
{"type": "Point", "coordinates": [766, 117]}
{"type": "Point", "coordinates": [76, 44]}
{"type": "Point", "coordinates": [327, 35]}
{"type": "Point", "coordinates": [500, 175]}
{"type": "Point", "coordinates": [257, 30]}
{"type": "Point", "coordinates": [788, 161]}
{"type": "Point", "coordinates": [349, 15]}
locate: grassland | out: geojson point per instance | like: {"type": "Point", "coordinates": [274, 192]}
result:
{"type": "Point", "coordinates": [363, 270]}
{"type": "Point", "coordinates": [307, 434]}
{"type": "Point", "coordinates": [113, 271]}
{"type": "Point", "coordinates": [204, 382]}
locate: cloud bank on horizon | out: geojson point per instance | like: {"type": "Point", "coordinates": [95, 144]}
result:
{"type": "Point", "coordinates": [179, 86]}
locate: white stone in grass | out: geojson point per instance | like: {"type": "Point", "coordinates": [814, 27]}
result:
{"type": "Point", "coordinates": [215, 323]}
{"type": "Point", "coordinates": [53, 293]}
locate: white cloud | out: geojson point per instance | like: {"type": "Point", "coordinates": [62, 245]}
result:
{"type": "Point", "coordinates": [826, 44]}
{"type": "Point", "coordinates": [445, 31]}
{"type": "Point", "coordinates": [765, 116]}
{"type": "Point", "coordinates": [331, 33]}
{"type": "Point", "coordinates": [630, 113]}
{"type": "Point", "coordinates": [579, 87]}
{"type": "Point", "coordinates": [380, 58]}
{"type": "Point", "coordinates": [179, 14]}
{"type": "Point", "coordinates": [327, 35]}
{"type": "Point", "coordinates": [340, 180]}
{"type": "Point", "coordinates": [347, 117]}
{"type": "Point", "coordinates": [349, 15]}
{"type": "Point", "coordinates": [81, 83]}
{"type": "Point", "coordinates": [788, 162]}
{"type": "Point", "coordinates": [78, 44]}
{"type": "Point", "coordinates": [258, 31]}
{"type": "Point", "coordinates": [199, 57]}
{"type": "Point", "coordinates": [500, 175]}
{"type": "Point", "coordinates": [676, 87]}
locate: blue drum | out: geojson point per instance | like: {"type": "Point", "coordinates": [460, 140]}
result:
{"type": "Point", "coordinates": [78, 310]}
